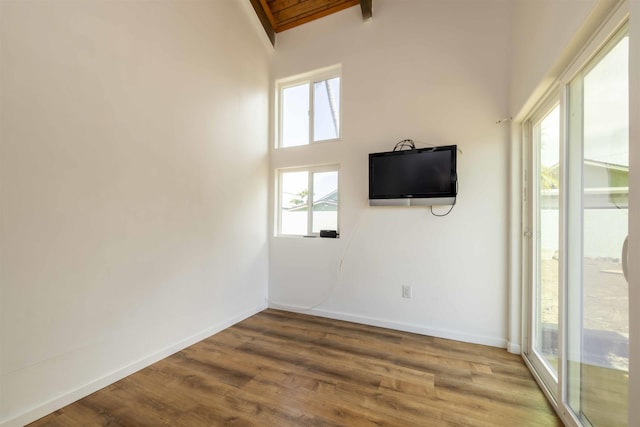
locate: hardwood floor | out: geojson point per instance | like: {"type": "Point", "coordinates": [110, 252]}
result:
{"type": "Point", "coordinates": [284, 369]}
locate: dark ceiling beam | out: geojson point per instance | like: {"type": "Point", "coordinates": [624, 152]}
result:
{"type": "Point", "coordinates": [306, 11]}
{"type": "Point", "coordinates": [266, 18]}
{"type": "Point", "coordinates": [367, 8]}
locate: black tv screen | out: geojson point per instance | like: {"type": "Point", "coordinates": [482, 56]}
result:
{"type": "Point", "coordinates": [418, 173]}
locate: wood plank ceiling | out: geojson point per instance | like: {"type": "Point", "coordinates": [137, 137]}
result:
{"type": "Point", "coordinates": [280, 15]}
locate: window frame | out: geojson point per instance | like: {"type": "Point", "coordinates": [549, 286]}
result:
{"type": "Point", "coordinates": [311, 170]}
{"type": "Point", "coordinates": [309, 78]}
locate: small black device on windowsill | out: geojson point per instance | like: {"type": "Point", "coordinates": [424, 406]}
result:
{"type": "Point", "coordinates": [332, 234]}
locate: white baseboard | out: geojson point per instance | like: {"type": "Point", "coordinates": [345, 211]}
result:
{"type": "Point", "coordinates": [71, 396]}
{"type": "Point", "coordinates": [400, 326]}
{"type": "Point", "coordinates": [514, 348]}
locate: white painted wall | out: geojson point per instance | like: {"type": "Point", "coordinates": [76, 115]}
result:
{"type": "Point", "coordinates": [542, 31]}
{"type": "Point", "coordinates": [436, 72]}
{"type": "Point", "coordinates": [133, 188]}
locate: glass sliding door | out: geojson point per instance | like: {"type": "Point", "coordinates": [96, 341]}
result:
{"type": "Point", "coordinates": [597, 226]}
{"type": "Point", "coordinates": [576, 218]}
{"type": "Point", "coordinates": [542, 350]}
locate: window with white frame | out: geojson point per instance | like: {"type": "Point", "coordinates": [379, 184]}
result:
{"type": "Point", "coordinates": [307, 201]}
{"type": "Point", "coordinates": [308, 108]}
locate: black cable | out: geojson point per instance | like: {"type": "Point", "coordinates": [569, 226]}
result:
{"type": "Point", "coordinates": [405, 143]}
{"type": "Point", "coordinates": [451, 208]}
{"type": "Point", "coordinates": [445, 214]}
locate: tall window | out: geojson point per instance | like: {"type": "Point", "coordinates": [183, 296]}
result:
{"type": "Point", "coordinates": [309, 108]}
{"type": "Point", "coordinates": [308, 201]}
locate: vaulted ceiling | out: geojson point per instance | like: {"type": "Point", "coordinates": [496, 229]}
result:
{"type": "Point", "coordinates": [281, 15]}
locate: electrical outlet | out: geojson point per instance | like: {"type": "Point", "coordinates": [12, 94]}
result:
{"type": "Point", "coordinates": [406, 291]}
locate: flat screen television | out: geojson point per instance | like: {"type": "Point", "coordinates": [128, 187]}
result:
{"type": "Point", "coordinates": [425, 176]}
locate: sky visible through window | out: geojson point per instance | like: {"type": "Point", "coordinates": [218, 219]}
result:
{"type": "Point", "coordinates": [606, 108]}
{"type": "Point", "coordinates": [296, 110]}
{"type": "Point", "coordinates": [550, 138]}
{"type": "Point", "coordinates": [295, 115]}
{"type": "Point", "coordinates": [324, 183]}
{"type": "Point", "coordinates": [294, 204]}
{"type": "Point", "coordinates": [606, 113]}
{"type": "Point", "coordinates": [326, 109]}
{"type": "Point", "coordinates": [295, 184]}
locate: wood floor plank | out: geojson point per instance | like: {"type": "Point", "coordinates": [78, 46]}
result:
{"type": "Point", "coordinates": [371, 350]}
{"type": "Point", "coordinates": [288, 369]}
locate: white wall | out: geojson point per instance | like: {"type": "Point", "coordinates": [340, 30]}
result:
{"type": "Point", "coordinates": [542, 31]}
{"type": "Point", "coordinates": [133, 188]}
{"type": "Point", "coordinates": [436, 72]}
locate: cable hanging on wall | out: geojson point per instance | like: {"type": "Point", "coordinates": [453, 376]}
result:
{"type": "Point", "coordinates": [452, 205]}
{"type": "Point", "coordinates": [412, 145]}
{"type": "Point", "coordinates": [405, 144]}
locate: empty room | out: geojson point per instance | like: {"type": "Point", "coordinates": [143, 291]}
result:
{"type": "Point", "coordinates": [319, 212]}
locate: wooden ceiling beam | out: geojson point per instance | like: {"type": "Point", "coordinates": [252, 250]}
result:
{"type": "Point", "coordinates": [280, 15]}
{"type": "Point", "coordinates": [266, 18]}
{"type": "Point", "coordinates": [269, 13]}
{"type": "Point", "coordinates": [308, 10]}
{"type": "Point", "coordinates": [367, 9]}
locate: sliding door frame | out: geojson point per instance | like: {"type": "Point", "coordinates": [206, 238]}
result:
{"type": "Point", "coordinates": [634, 203]}
{"type": "Point", "coordinates": [530, 241]}
{"type": "Point", "coordinates": [523, 131]}
{"type": "Point", "coordinates": [612, 31]}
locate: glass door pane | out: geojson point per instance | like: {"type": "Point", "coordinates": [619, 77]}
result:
{"type": "Point", "coordinates": [546, 250]}
{"type": "Point", "coordinates": [598, 301]}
